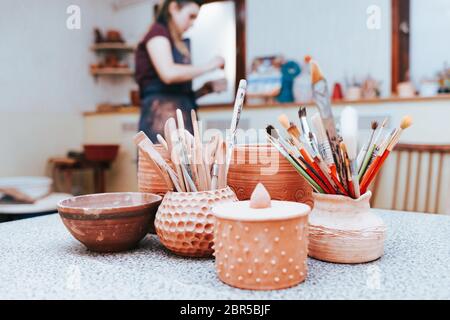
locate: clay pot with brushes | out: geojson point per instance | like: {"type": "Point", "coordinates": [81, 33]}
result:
{"type": "Point", "coordinates": [344, 230]}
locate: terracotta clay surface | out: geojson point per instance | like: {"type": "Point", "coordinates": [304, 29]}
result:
{"type": "Point", "coordinates": [343, 230]}
{"type": "Point", "coordinates": [185, 224]}
{"type": "Point", "coordinates": [252, 164]}
{"type": "Point", "coordinates": [261, 249]}
{"type": "Point", "coordinates": [109, 222]}
{"type": "Point", "coordinates": [148, 179]}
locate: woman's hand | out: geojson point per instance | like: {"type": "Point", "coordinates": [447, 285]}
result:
{"type": "Point", "coordinates": [216, 63]}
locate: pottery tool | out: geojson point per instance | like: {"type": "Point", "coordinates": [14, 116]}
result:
{"type": "Point", "coordinates": [321, 98]}
{"type": "Point", "coordinates": [162, 141]}
{"type": "Point", "coordinates": [174, 155]}
{"type": "Point", "coordinates": [167, 135]}
{"type": "Point", "coordinates": [215, 176]}
{"type": "Point", "coordinates": [349, 130]}
{"type": "Point", "coordinates": [391, 142]}
{"type": "Point", "coordinates": [237, 110]}
{"type": "Point", "coordinates": [161, 166]}
{"type": "Point", "coordinates": [198, 154]}
{"type": "Point", "coordinates": [221, 160]}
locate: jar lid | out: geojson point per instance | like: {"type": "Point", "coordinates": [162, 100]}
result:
{"type": "Point", "coordinates": [279, 210]}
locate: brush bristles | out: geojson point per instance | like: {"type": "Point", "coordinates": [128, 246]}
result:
{"type": "Point", "coordinates": [302, 112]}
{"type": "Point", "coordinates": [374, 125]}
{"type": "Point", "coordinates": [284, 121]}
{"type": "Point", "coordinates": [294, 130]}
{"type": "Point", "coordinates": [316, 73]}
{"type": "Point", "coordinates": [406, 122]}
{"type": "Point", "coordinates": [271, 131]}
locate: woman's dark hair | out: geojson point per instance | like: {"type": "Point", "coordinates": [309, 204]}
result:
{"type": "Point", "coordinates": [162, 15]}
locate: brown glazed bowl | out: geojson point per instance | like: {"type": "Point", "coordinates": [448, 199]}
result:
{"type": "Point", "coordinates": [253, 164]}
{"type": "Point", "coordinates": [110, 222]}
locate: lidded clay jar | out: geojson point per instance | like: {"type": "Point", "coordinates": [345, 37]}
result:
{"type": "Point", "coordinates": [260, 247]}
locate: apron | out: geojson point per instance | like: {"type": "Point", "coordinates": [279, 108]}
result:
{"type": "Point", "coordinates": [160, 102]}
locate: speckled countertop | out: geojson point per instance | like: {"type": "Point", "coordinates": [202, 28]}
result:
{"type": "Point", "coordinates": [39, 259]}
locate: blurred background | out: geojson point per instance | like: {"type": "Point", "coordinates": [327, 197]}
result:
{"type": "Point", "coordinates": [67, 84]}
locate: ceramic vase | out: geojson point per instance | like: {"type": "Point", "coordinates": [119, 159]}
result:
{"type": "Point", "coordinates": [343, 230]}
{"type": "Point", "coordinates": [184, 221]}
{"type": "Point", "coordinates": [253, 164]}
{"type": "Point", "coordinates": [148, 179]}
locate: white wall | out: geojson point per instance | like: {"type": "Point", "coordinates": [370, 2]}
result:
{"type": "Point", "coordinates": [430, 48]}
{"type": "Point", "coordinates": [45, 83]}
{"type": "Point", "coordinates": [334, 32]}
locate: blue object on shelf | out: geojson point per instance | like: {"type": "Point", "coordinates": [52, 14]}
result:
{"type": "Point", "coordinates": [290, 70]}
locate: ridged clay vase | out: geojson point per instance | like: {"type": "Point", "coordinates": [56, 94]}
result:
{"type": "Point", "coordinates": [261, 249]}
{"type": "Point", "coordinates": [344, 230]}
{"type": "Point", "coordinates": [148, 179]}
{"type": "Point", "coordinates": [253, 164]}
{"type": "Point", "coordinates": [184, 221]}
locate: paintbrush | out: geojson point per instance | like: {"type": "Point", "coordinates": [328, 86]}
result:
{"type": "Point", "coordinates": [349, 129]}
{"type": "Point", "coordinates": [321, 98]}
{"type": "Point", "coordinates": [309, 135]}
{"type": "Point", "coordinates": [237, 110]}
{"type": "Point", "coordinates": [365, 149]}
{"type": "Point", "coordinates": [311, 167]}
{"type": "Point", "coordinates": [370, 156]}
{"type": "Point", "coordinates": [295, 164]}
{"type": "Point", "coordinates": [391, 143]}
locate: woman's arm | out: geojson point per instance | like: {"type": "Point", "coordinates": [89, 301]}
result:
{"type": "Point", "coordinates": [160, 52]}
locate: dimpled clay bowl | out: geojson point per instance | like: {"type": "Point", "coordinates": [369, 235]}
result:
{"type": "Point", "coordinates": [185, 224]}
{"type": "Point", "coordinates": [110, 222]}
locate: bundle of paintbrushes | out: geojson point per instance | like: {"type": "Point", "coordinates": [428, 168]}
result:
{"type": "Point", "coordinates": [328, 161]}
{"type": "Point", "coordinates": [193, 166]}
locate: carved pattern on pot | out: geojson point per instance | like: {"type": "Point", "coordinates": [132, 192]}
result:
{"type": "Point", "coordinates": [184, 221]}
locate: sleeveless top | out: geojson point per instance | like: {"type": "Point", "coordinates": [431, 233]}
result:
{"type": "Point", "coordinates": [146, 75]}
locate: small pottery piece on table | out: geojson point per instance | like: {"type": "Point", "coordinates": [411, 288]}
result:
{"type": "Point", "coordinates": [253, 164]}
{"type": "Point", "coordinates": [343, 230]}
{"type": "Point", "coordinates": [184, 221]}
{"type": "Point", "coordinates": [261, 248]}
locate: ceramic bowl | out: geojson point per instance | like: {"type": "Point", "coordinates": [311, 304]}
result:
{"type": "Point", "coordinates": [263, 249]}
{"type": "Point", "coordinates": [109, 222]}
{"type": "Point", "coordinates": [253, 164]}
{"type": "Point", "coordinates": [185, 223]}
{"type": "Point", "coordinates": [344, 230]}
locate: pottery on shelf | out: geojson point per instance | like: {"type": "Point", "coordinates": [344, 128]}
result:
{"type": "Point", "coordinates": [259, 248]}
{"type": "Point", "coordinates": [109, 222]}
{"type": "Point", "coordinates": [344, 230]}
{"type": "Point", "coordinates": [253, 164]}
{"type": "Point", "coordinates": [184, 221]}
{"type": "Point", "coordinates": [148, 179]}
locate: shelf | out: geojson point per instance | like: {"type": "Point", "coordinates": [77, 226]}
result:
{"type": "Point", "coordinates": [112, 72]}
{"type": "Point", "coordinates": [112, 46]}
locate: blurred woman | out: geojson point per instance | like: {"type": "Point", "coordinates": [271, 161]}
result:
{"type": "Point", "coordinates": [163, 67]}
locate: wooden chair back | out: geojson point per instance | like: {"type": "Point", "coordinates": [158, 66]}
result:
{"type": "Point", "coordinates": [428, 168]}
